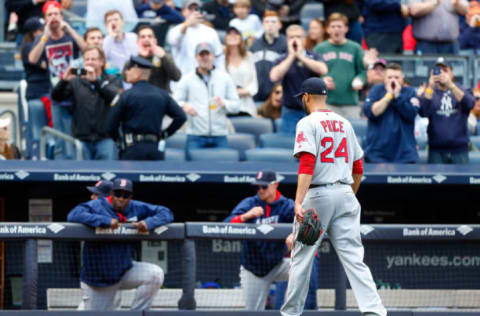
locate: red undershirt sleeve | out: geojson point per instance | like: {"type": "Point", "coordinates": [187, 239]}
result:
{"type": "Point", "coordinates": [236, 219]}
{"type": "Point", "coordinates": [307, 163]}
{"type": "Point", "coordinates": [358, 166]}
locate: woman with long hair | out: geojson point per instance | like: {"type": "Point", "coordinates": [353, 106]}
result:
{"type": "Point", "coordinates": [272, 108]}
{"type": "Point", "coordinates": [316, 34]}
{"type": "Point", "coordinates": [240, 66]}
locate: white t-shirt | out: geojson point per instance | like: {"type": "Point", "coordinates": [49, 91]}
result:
{"type": "Point", "coordinates": [332, 140]}
{"type": "Point", "coordinates": [249, 26]}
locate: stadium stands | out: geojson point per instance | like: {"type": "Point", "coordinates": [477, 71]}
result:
{"type": "Point", "coordinates": [215, 154]}
{"type": "Point", "coordinates": [174, 154]}
{"type": "Point", "coordinates": [251, 125]}
{"type": "Point", "coordinates": [270, 154]}
{"type": "Point", "coordinates": [274, 140]}
{"type": "Point", "coordinates": [241, 142]}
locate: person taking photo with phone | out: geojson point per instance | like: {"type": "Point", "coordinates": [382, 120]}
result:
{"type": "Point", "coordinates": [92, 91]}
{"type": "Point", "coordinates": [391, 109]}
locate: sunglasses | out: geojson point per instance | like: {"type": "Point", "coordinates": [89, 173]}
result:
{"type": "Point", "coordinates": [121, 194]}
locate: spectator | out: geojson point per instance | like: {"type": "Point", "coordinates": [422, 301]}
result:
{"type": "Point", "coordinates": [435, 25]}
{"type": "Point", "coordinates": [391, 109]}
{"type": "Point", "coordinates": [158, 10]}
{"type": "Point", "coordinates": [346, 72]}
{"type": "Point", "coordinates": [316, 34]}
{"type": "Point", "coordinates": [92, 94]}
{"type": "Point", "coordinates": [93, 37]}
{"type": "Point", "coordinates": [101, 189]}
{"type": "Point", "coordinates": [38, 84]}
{"type": "Point", "coordinates": [240, 66]}
{"type": "Point", "coordinates": [289, 10]}
{"type": "Point", "coordinates": [474, 115]}
{"type": "Point", "coordinates": [266, 50]}
{"type": "Point", "coordinates": [219, 13]}
{"type": "Point", "coordinates": [140, 111]}
{"type": "Point", "coordinates": [384, 24]}
{"type": "Point", "coordinates": [7, 151]}
{"type": "Point", "coordinates": [58, 46]}
{"type": "Point", "coordinates": [272, 108]}
{"type": "Point", "coordinates": [165, 69]}
{"type": "Point", "coordinates": [206, 94]}
{"type": "Point", "coordinates": [183, 39]}
{"type": "Point", "coordinates": [248, 24]}
{"type": "Point", "coordinates": [118, 45]}
{"type": "Point", "coordinates": [96, 11]}
{"type": "Point", "coordinates": [349, 9]}
{"type": "Point", "coordinates": [469, 38]}
{"type": "Point", "coordinates": [258, 7]}
{"type": "Point", "coordinates": [108, 267]}
{"type": "Point", "coordinates": [262, 262]}
{"type": "Point", "coordinates": [25, 9]}
{"type": "Point", "coordinates": [447, 106]}
{"type": "Point", "coordinates": [376, 73]}
{"type": "Point", "coordinates": [292, 69]}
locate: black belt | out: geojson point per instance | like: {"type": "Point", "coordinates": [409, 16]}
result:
{"type": "Point", "coordinates": [130, 139]}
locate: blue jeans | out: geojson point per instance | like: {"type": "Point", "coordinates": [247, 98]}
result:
{"type": "Point", "coordinates": [104, 149]}
{"type": "Point", "coordinates": [427, 47]}
{"type": "Point", "coordinates": [290, 118]}
{"type": "Point", "coordinates": [196, 142]}
{"type": "Point", "coordinates": [62, 121]}
{"type": "Point", "coordinates": [448, 158]}
{"type": "Point", "coordinates": [37, 119]}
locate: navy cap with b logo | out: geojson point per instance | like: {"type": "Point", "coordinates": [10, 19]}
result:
{"type": "Point", "coordinates": [265, 177]}
{"type": "Point", "coordinates": [313, 86]}
{"type": "Point", "coordinates": [122, 184]}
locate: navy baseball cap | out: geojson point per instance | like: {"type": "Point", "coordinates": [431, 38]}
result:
{"type": "Point", "coordinates": [101, 188]}
{"type": "Point", "coordinates": [32, 24]}
{"type": "Point", "coordinates": [122, 184]}
{"type": "Point", "coordinates": [313, 86]}
{"type": "Point", "coordinates": [441, 61]}
{"type": "Point", "coordinates": [140, 62]}
{"type": "Point", "coordinates": [203, 47]}
{"type": "Point", "coordinates": [265, 177]}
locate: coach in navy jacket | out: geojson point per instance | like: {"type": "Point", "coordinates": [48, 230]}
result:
{"type": "Point", "coordinates": [391, 109]}
{"type": "Point", "coordinates": [262, 262]}
{"type": "Point", "coordinates": [108, 266]}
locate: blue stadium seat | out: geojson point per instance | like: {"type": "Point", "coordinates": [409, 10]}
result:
{"type": "Point", "coordinates": [422, 143]}
{"type": "Point", "coordinates": [360, 127]}
{"type": "Point", "coordinates": [252, 125]}
{"type": "Point", "coordinates": [275, 140]}
{"type": "Point", "coordinates": [310, 11]}
{"type": "Point", "coordinates": [241, 142]}
{"type": "Point", "coordinates": [270, 154]}
{"type": "Point", "coordinates": [174, 154]}
{"type": "Point", "coordinates": [177, 140]}
{"type": "Point", "coordinates": [474, 157]}
{"type": "Point", "coordinates": [475, 141]}
{"type": "Point", "coordinates": [277, 125]}
{"type": "Point", "coordinates": [214, 154]}
{"type": "Point", "coordinates": [478, 129]}
{"type": "Point", "coordinates": [423, 156]}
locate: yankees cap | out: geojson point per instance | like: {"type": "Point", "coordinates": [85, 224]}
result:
{"type": "Point", "coordinates": [102, 188]}
{"type": "Point", "coordinates": [265, 177]}
{"type": "Point", "coordinates": [313, 86]}
{"type": "Point", "coordinates": [122, 184]}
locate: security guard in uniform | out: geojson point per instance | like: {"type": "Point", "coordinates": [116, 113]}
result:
{"type": "Point", "coordinates": [140, 110]}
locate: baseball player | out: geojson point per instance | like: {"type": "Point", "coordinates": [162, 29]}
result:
{"type": "Point", "coordinates": [262, 262]}
{"type": "Point", "coordinates": [329, 176]}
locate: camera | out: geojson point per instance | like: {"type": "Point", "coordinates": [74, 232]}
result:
{"type": "Point", "coordinates": [436, 70]}
{"type": "Point", "coordinates": [78, 71]}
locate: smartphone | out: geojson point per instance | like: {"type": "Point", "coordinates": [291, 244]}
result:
{"type": "Point", "coordinates": [436, 70]}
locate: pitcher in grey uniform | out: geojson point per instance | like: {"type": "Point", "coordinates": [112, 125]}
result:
{"type": "Point", "coordinates": [329, 175]}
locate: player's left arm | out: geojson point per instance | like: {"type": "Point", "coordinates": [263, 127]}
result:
{"type": "Point", "coordinates": [305, 175]}
{"type": "Point", "coordinates": [153, 215]}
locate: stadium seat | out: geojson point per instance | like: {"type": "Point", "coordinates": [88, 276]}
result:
{"type": "Point", "coordinates": [274, 140]}
{"type": "Point", "coordinates": [174, 154]}
{"type": "Point", "coordinates": [475, 141]}
{"type": "Point", "coordinates": [474, 157]}
{"type": "Point", "coordinates": [277, 125]}
{"type": "Point", "coordinates": [270, 154]}
{"type": "Point", "coordinates": [177, 140]}
{"type": "Point", "coordinates": [310, 11]}
{"type": "Point", "coordinates": [252, 125]}
{"type": "Point", "coordinates": [478, 129]}
{"type": "Point", "coordinates": [241, 142]}
{"type": "Point", "coordinates": [423, 156]}
{"type": "Point", "coordinates": [421, 143]}
{"type": "Point", "coordinates": [214, 154]}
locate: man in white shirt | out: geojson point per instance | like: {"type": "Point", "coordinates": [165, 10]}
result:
{"type": "Point", "coordinates": [185, 37]}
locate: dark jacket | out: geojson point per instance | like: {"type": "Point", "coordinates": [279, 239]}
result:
{"type": "Point", "coordinates": [447, 120]}
{"type": "Point", "coordinates": [382, 16]}
{"type": "Point", "coordinates": [104, 263]}
{"type": "Point", "coordinates": [38, 81]}
{"type": "Point", "coordinates": [390, 136]}
{"type": "Point", "coordinates": [165, 70]}
{"type": "Point", "coordinates": [260, 257]}
{"type": "Point", "coordinates": [264, 57]}
{"type": "Point", "coordinates": [90, 106]}
{"type": "Point", "coordinates": [24, 9]}
{"type": "Point", "coordinates": [165, 12]}
{"type": "Point", "coordinates": [218, 15]}
{"type": "Point", "coordinates": [469, 37]}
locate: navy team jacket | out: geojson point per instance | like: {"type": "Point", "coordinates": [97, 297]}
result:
{"type": "Point", "coordinates": [260, 257]}
{"type": "Point", "coordinates": [104, 263]}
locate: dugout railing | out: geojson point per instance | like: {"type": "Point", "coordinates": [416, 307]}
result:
{"type": "Point", "coordinates": [415, 266]}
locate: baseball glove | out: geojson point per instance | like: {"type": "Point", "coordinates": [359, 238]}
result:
{"type": "Point", "coordinates": [310, 228]}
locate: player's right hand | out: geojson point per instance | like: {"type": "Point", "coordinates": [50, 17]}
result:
{"type": "Point", "coordinates": [255, 212]}
{"type": "Point", "coordinates": [114, 223]}
{"type": "Point", "coordinates": [299, 212]}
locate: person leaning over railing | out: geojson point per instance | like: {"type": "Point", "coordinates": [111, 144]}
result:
{"type": "Point", "coordinates": [108, 267]}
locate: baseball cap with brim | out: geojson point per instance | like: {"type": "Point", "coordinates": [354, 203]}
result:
{"type": "Point", "coordinates": [313, 86]}
{"type": "Point", "coordinates": [187, 3]}
{"type": "Point", "coordinates": [234, 29]}
{"type": "Point", "coordinates": [265, 177]}
{"type": "Point", "coordinates": [122, 184]}
{"type": "Point", "coordinates": [157, 1]}
{"type": "Point", "coordinates": [50, 4]}
{"type": "Point", "coordinates": [140, 62]}
{"type": "Point", "coordinates": [32, 24]}
{"type": "Point", "coordinates": [102, 188]}
{"type": "Point", "coordinates": [441, 61]}
{"type": "Point", "coordinates": [379, 61]}
{"type": "Point", "coordinates": [4, 122]}
{"type": "Point", "coordinates": [203, 47]}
